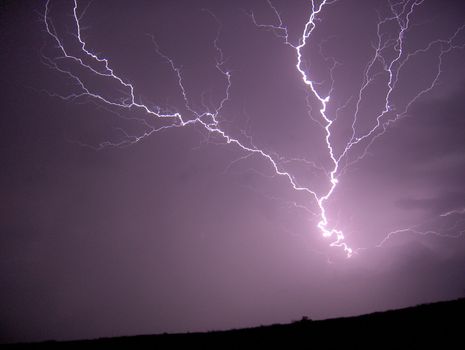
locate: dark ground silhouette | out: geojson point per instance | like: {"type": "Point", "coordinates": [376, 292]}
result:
{"type": "Point", "coordinates": [440, 325]}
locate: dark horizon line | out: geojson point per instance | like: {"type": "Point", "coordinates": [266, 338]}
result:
{"type": "Point", "coordinates": [415, 317]}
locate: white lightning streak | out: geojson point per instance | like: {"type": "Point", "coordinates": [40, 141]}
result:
{"type": "Point", "coordinates": [281, 31]}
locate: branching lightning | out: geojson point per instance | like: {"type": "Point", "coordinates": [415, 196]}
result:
{"type": "Point", "coordinates": [210, 120]}
{"type": "Point", "coordinates": [449, 229]}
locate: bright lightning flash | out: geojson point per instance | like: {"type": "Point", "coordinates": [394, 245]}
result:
{"type": "Point", "coordinates": [400, 14]}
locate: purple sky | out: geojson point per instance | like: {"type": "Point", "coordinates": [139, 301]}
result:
{"type": "Point", "coordinates": [110, 227]}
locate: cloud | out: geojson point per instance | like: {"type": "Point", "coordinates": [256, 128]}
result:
{"type": "Point", "coordinates": [443, 202]}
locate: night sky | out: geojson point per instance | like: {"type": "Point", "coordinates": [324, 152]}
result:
{"type": "Point", "coordinates": [127, 208]}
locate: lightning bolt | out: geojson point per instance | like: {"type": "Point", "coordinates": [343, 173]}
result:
{"type": "Point", "coordinates": [452, 225]}
{"type": "Point", "coordinates": [209, 119]}
{"type": "Point", "coordinates": [452, 212]}
{"type": "Point", "coordinates": [450, 230]}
